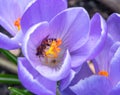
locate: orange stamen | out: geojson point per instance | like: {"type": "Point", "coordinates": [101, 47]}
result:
{"type": "Point", "coordinates": [17, 24]}
{"type": "Point", "coordinates": [54, 49]}
{"type": "Point", "coordinates": [103, 73]}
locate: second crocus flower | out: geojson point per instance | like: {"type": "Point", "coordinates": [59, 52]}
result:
{"type": "Point", "coordinates": [107, 65]}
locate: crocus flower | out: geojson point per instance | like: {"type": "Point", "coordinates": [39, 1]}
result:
{"type": "Point", "coordinates": [11, 12]}
{"type": "Point", "coordinates": [107, 65]}
{"type": "Point", "coordinates": [54, 50]}
{"type": "Point", "coordinates": [10, 15]}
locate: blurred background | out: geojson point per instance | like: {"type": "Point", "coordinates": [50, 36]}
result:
{"type": "Point", "coordinates": [104, 7]}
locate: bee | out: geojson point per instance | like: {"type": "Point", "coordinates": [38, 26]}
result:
{"type": "Point", "coordinates": [45, 44]}
{"type": "Point", "coordinates": [40, 49]}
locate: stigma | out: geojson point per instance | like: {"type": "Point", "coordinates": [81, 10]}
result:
{"type": "Point", "coordinates": [103, 73]}
{"type": "Point", "coordinates": [17, 24]}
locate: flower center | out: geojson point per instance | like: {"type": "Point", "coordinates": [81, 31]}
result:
{"type": "Point", "coordinates": [49, 48]}
{"type": "Point", "coordinates": [17, 24]}
{"type": "Point", "coordinates": [49, 51]}
{"type": "Point", "coordinates": [103, 73]}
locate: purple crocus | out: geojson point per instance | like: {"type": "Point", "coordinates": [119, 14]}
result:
{"type": "Point", "coordinates": [54, 50]}
{"type": "Point", "coordinates": [10, 15]}
{"type": "Point", "coordinates": [107, 65]}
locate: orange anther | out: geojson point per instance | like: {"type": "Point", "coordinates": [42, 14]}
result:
{"type": "Point", "coordinates": [103, 73]}
{"type": "Point", "coordinates": [59, 42]}
{"type": "Point", "coordinates": [17, 24]}
{"type": "Point", "coordinates": [54, 49]}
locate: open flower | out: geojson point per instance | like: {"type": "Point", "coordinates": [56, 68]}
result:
{"type": "Point", "coordinates": [53, 50]}
{"type": "Point", "coordinates": [107, 65]}
{"type": "Point", "coordinates": [10, 16]}
{"type": "Point", "coordinates": [11, 12]}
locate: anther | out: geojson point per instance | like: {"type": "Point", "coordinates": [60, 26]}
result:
{"type": "Point", "coordinates": [17, 24]}
{"type": "Point", "coordinates": [54, 49]}
{"type": "Point", "coordinates": [103, 73]}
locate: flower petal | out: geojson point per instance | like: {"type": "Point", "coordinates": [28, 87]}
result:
{"type": "Point", "coordinates": [113, 49]}
{"type": "Point", "coordinates": [19, 37]}
{"type": "Point", "coordinates": [83, 73]}
{"type": "Point", "coordinates": [32, 40]}
{"type": "Point", "coordinates": [8, 43]}
{"type": "Point", "coordinates": [103, 58]}
{"type": "Point", "coordinates": [115, 67]}
{"type": "Point", "coordinates": [76, 77]}
{"type": "Point", "coordinates": [67, 91]}
{"type": "Point", "coordinates": [33, 81]}
{"type": "Point", "coordinates": [94, 85]}
{"type": "Point", "coordinates": [41, 10]}
{"type": "Point", "coordinates": [114, 26]}
{"type": "Point", "coordinates": [9, 12]}
{"type": "Point", "coordinates": [95, 42]}
{"type": "Point", "coordinates": [66, 81]}
{"type": "Point", "coordinates": [98, 35]}
{"type": "Point", "coordinates": [24, 4]}
{"type": "Point", "coordinates": [115, 90]}
{"type": "Point", "coordinates": [72, 26]}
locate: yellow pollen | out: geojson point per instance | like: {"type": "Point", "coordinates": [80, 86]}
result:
{"type": "Point", "coordinates": [103, 73]}
{"type": "Point", "coordinates": [17, 24]}
{"type": "Point", "coordinates": [54, 49]}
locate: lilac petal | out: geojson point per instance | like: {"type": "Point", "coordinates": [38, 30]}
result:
{"type": "Point", "coordinates": [101, 59]}
{"type": "Point", "coordinates": [9, 12]}
{"type": "Point", "coordinates": [94, 85]}
{"type": "Point", "coordinates": [113, 49]}
{"type": "Point", "coordinates": [114, 26]}
{"type": "Point", "coordinates": [98, 35]}
{"type": "Point", "coordinates": [24, 4]}
{"type": "Point", "coordinates": [19, 37]}
{"type": "Point", "coordinates": [95, 42]}
{"type": "Point", "coordinates": [33, 81]}
{"type": "Point", "coordinates": [41, 10]}
{"type": "Point", "coordinates": [67, 91]}
{"type": "Point", "coordinates": [54, 74]}
{"type": "Point", "coordinates": [8, 43]}
{"type": "Point", "coordinates": [72, 26]}
{"type": "Point", "coordinates": [32, 40]}
{"type": "Point", "coordinates": [77, 60]}
{"type": "Point", "coordinates": [115, 67]}
{"type": "Point", "coordinates": [83, 73]}
{"type": "Point", "coordinates": [66, 81]}
{"type": "Point", "coordinates": [115, 90]}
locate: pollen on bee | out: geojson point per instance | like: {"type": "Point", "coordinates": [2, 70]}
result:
{"type": "Point", "coordinates": [103, 73]}
{"type": "Point", "coordinates": [49, 47]}
{"type": "Point", "coordinates": [17, 24]}
{"type": "Point", "coordinates": [54, 49]}
{"type": "Point", "coordinates": [50, 52]}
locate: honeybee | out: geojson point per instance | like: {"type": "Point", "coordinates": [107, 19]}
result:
{"type": "Point", "coordinates": [40, 49]}
{"type": "Point", "coordinates": [45, 44]}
